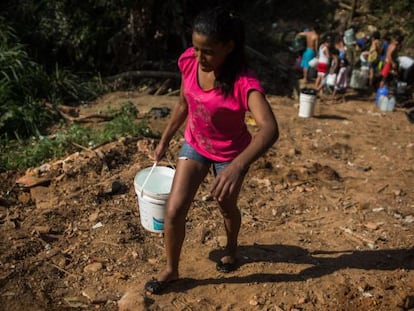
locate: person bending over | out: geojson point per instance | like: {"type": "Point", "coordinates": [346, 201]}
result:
{"type": "Point", "coordinates": [217, 89]}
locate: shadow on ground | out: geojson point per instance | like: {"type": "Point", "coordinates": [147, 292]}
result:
{"type": "Point", "coordinates": [322, 262]}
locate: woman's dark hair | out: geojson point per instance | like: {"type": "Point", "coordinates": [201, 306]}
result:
{"type": "Point", "coordinates": [221, 26]}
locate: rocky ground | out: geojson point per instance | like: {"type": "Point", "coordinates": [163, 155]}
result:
{"type": "Point", "coordinates": [328, 221]}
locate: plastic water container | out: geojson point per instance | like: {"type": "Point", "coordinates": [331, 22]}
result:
{"type": "Point", "coordinates": [359, 79]}
{"type": "Point", "coordinates": [401, 87]}
{"type": "Point", "coordinates": [152, 187]}
{"type": "Point", "coordinates": [331, 79]}
{"type": "Point", "coordinates": [349, 36]}
{"type": "Point", "coordinates": [313, 62]}
{"type": "Point", "coordinates": [382, 91]}
{"type": "Point", "coordinates": [307, 100]}
{"type": "Point", "coordinates": [386, 103]}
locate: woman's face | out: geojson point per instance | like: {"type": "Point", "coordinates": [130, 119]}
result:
{"type": "Point", "coordinates": [209, 53]}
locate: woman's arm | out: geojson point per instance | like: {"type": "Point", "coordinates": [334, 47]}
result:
{"type": "Point", "coordinates": [178, 116]}
{"type": "Point", "coordinates": [267, 134]}
{"type": "Point", "coordinates": [264, 138]}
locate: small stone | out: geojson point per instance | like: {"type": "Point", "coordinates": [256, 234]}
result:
{"type": "Point", "coordinates": [280, 187]}
{"type": "Point", "coordinates": [152, 261]}
{"type": "Point", "coordinates": [90, 293]}
{"type": "Point", "coordinates": [397, 192]}
{"type": "Point", "coordinates": [132, 301]}
{"type": "Point", "coordinates": [253, 302]}
{"type": "Point", "coordinates": [409, 219]}
{"type": "Point", "coordinates": [93, 267]}
{"type": "Point", "coordinates": [293, 151]}
{"type": "Point", "coordinates": [371, 226]}
{"type": "Point", "coordinates": [97, 225]}
{"type": "Point", "coordinates": [94, 216]}
{"type": "Point", "coordinates": [207, 198]}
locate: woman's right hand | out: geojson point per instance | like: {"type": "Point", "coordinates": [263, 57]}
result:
{"type": "Point", "coordinates": [160, 151]}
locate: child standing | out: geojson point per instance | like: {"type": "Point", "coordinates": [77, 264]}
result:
{"type": "Point", "coordinates": [323, 62]}
{"type": "Point", "coordinates": [217, 88]}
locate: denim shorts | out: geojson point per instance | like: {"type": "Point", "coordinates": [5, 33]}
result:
{"type": "Point", "coordinates": [188, 152]}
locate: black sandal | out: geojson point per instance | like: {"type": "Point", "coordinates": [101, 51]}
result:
{"type": "Point", "coordinates": [226, 267]}
{"type": "Point", "coordinates": [156, 287]}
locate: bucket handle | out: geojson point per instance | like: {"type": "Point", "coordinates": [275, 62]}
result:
{"type": "Point", "coordinates": [148, 176]}
{"type": "Point", "coordinates": [171, 164]}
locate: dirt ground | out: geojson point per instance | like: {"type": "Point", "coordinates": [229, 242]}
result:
{"type": "Point", "coordinates": [328, 221]}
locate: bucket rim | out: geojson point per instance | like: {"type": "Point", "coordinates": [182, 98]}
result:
{"type": "Point", "coordinates": [155, 195]}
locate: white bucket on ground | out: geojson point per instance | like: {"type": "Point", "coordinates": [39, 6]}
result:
{"type": "Point", "coordinates": [157, 183]}
{"type": "Point", "coordinates": [307, 100]}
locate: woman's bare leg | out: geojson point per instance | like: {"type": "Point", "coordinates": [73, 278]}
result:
{"type": "Point", "coordinates": [188, 176]}
{"type": "Point", "coordinates": [232, 223]}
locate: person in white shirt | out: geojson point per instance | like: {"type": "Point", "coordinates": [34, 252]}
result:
{"type": "Point", "coordinates": [406, 69]}
{"type": "Point", "coordinates": [323, 62]}
{"type": "Point", "coordinates": [342, 80]}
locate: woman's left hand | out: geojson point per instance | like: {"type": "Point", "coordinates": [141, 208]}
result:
{"type": "Point", "coordinates": [226, 182]}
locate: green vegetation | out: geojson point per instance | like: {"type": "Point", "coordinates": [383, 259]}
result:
{"type": "Point", "coordinates": [21, 154]}
{"type": "Point", "coordinates": [25, 86]}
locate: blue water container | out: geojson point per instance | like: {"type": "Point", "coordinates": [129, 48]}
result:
{"type": "Point", "coordinates": [382, 91]}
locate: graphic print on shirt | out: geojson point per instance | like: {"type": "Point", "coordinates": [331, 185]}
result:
{"type": "Point", "coordinates": [201, 118]}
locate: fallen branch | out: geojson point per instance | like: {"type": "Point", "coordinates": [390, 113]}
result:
{"type": "Point", "coordinates": [163, 87]}
{"type": "Point", "coordinates": [63, 270]}
{"type": "Point", "coordinates": [84, 118]}
{"type": "Point", "coordinates": [103, 117]}
{"type": "Point", "coordinates": [172, 93]}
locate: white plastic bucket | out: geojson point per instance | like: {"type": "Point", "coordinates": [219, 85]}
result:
{"type": "Point", "coordinates": [156, 181]}
{"type": "Point", "coordinates": [331, 79]}
{"type": "Point", "coordinates": [313, 62]}
{"type": "Point", "coordinates": [307, 100]}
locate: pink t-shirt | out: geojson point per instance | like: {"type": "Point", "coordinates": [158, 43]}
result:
{"type": "Point", "coordinates": [216, 124]}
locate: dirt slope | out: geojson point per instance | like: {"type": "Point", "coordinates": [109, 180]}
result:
{"type": "Point", "coordinates": [328, 223]}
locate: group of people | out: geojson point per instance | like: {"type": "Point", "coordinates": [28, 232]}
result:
{"type": "Point", "coordinates": [336, 57]}
{"type": "Point", "coordinates": [328, 57]}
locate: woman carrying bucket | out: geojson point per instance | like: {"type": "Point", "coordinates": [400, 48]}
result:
{"type": "Point", "coordinates": [217, 88]}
